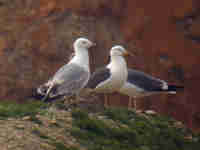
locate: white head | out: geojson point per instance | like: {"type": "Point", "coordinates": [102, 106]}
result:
{"type": "Point", "coordinates": [83, 43]}
{"type": "Point", "coordinates": [81, 57]}
{"type": "Point", "coordinates": [118, 50]}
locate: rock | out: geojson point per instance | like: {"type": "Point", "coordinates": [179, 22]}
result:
{"type": "Point", "coordinates": [179, 124]}
{"type": "Point", "coordinates": [20, 126]}
{"type": "Point", "coordinates": [68, 119]}
{"type": "Point", "coordinates": [150, 112]}
{"type": "Point", "coordinates": [26, 118]}
{"type": "Point", "coordinates": [53, 121]}
{"type": "Point", "coordinates": [189, 137]}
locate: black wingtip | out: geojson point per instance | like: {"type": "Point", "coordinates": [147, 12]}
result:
{"type": "Point", "coordinates": [38, 96]}
{"type": "Point", "coordinates": [175, 88]}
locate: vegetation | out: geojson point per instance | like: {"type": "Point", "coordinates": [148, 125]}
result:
{"type": "Point", "coordinates": [16, 110]}
{"type": "Point", "coordinates": [61, 146]}
{"type": "Point", "coordinates": [77, 129]}
{"type": "Point", "coordinates": [130, 131]}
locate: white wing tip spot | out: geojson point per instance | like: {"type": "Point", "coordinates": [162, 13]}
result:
{"type": "Point", "coordinates": [172, 92]}
{"type": "Point", "coordinates": [165, 85]}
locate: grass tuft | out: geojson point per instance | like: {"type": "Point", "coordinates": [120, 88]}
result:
{"type": "Point", "coordinates": [61, 146]}
{"type": "Point", "coordinates": [13, 109]}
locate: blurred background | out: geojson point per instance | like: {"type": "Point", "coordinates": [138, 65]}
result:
{"type": "Point", "coordinates": [36, 39]}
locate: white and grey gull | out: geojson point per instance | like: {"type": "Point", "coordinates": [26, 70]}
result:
{"type": "Point", "coordinates": [71, 77]}
{"type": "Point", "coordinates": [111, 78]}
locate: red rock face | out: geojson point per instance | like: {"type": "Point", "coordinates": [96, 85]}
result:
{"type": "Point", "coordinates": [36, 39]}
{"type": "Point", "coordinates": [169, 43]}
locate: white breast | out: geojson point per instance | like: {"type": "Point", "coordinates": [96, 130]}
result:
{"type": "Point", "coordinates": [118, 69]}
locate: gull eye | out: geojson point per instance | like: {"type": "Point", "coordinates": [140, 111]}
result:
{"type": "Point", "coordinates": [84, 42]}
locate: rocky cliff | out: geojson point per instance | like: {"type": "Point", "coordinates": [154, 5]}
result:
{"type": "Point", "coordinates": [36, 39]}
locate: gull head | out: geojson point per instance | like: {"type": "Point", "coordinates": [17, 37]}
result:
{"type": "Point", "coordinates": [118, 50]}
{"type": "Point", "coordinates": [83, 43]}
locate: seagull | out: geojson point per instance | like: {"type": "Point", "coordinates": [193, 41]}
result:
{"type": "Point", "coordinates": [112, 77]}
{"type": "Point", "coordinates": [140, 84]}
{"type": "Point", "coordinates": [71, 77]}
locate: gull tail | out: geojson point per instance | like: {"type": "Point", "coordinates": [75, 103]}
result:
{"type": "Point", "coordinates": [46, 93]}
{"type": "Point", "coordinates": [172, 88]}
{"type": "Point", "coordinates": [35, 94]}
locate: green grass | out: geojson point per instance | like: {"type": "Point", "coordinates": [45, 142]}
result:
{"type": "Point", "coordinates": [131, 132]}
{"type": "Point", "coordinates": [13, 109]}
{"type": "Point", "coordinates": [61, 146]}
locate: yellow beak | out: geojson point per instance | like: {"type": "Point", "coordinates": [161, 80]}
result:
{"type": "Point", "coordinates": [94, 44]}
{"type": "Point", "coordinates": [128, 54]}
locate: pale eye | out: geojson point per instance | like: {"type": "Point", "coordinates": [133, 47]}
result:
{"type": "Point", "coordinates": [84, 42]}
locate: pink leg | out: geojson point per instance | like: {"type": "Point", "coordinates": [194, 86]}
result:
{"type": "Point", "coordinates": [135, 104]}
{"type": "Point", "coordinates": [106, 98]}
{"type": "Point", "coordinates": [129, 102]}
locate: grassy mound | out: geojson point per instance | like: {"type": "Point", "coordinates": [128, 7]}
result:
{"type": "Point", "coordinates": [55, 128]}
{"type": "Point", "coordinates": [120, 129]}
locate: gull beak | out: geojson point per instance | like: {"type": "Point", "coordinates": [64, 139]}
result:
{"type": "Point", "coordinates": [94, 44]}
{"type": "Point", "coordinates": [128, 54]}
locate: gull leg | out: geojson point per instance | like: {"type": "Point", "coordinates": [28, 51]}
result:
{"type": "Point", "coordinates": [129, 102]}
{"type": "Point", "coordinates": [72, 101]}
{"type": "Point", "coordinates": [48, 91]}
{"type": "Point", "coordinates": [50, 111]}
{"type": "Point", "coordinates": [135, 104]}
{"type": "Point", "coordinates": [76, 99]}
{"type": "Point", "coordinates": [106, 100]}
